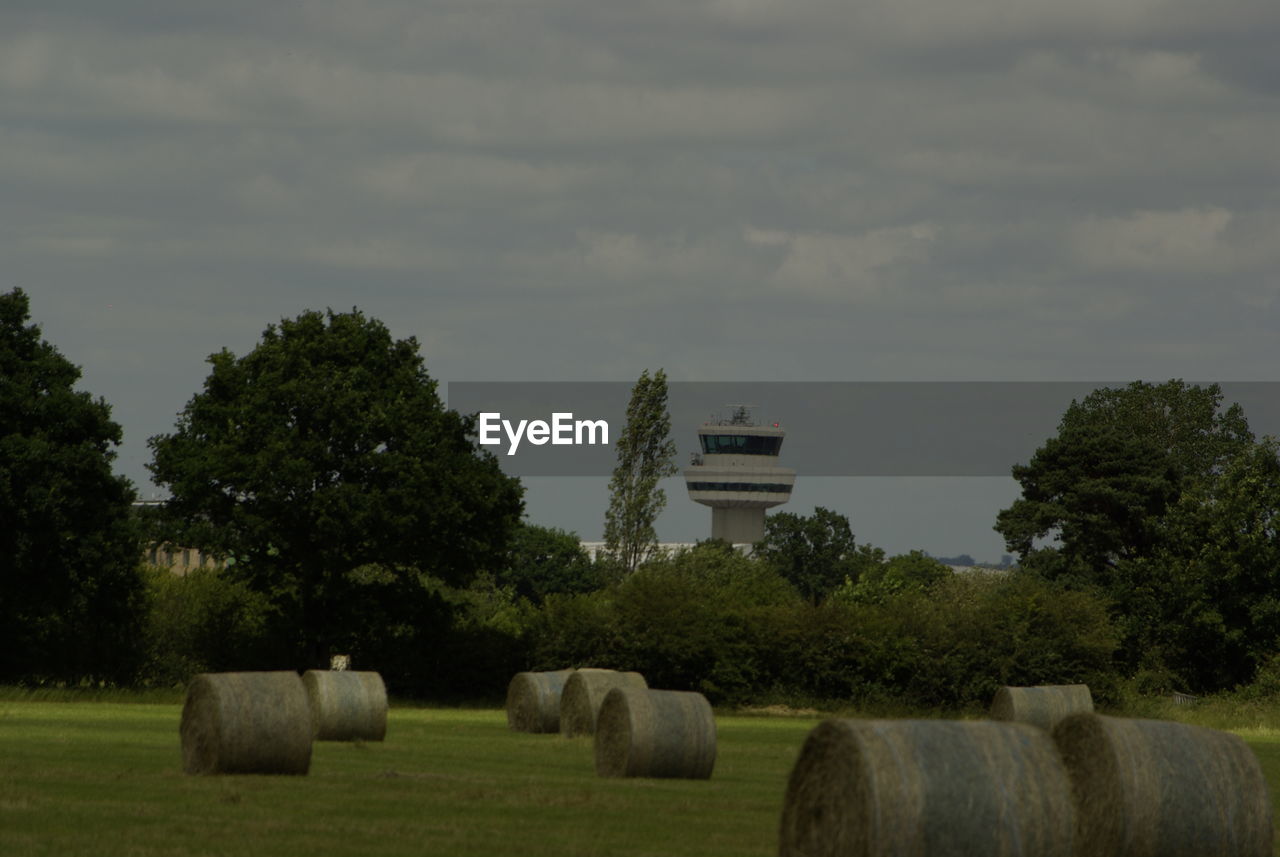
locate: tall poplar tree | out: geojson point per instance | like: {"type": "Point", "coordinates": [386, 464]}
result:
{"type": "Point", "coordinates": [646, 455]}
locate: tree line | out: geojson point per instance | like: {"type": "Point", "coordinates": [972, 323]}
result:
{"type": "Point", "coordinates": [356, 514]}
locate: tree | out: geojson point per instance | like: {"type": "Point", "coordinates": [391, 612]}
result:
{"type": "Point", "coordinates": [646, 455]}
{"type": "Point", "coordinates": [1186, 421]}
{"type": "Point", "coordinates": [1204, 607]}
{"type": "Point", "coordinates": [71, 596]}
{"type": "Point", "coordinates": [815, 553]}
{"type": "Point", "coordinates": [1099, 491]}
{"type": "Point", "coordinates": [1100, 488]}
{"type": "Point", "coordinates": [324, 450]}
{"type": "Point", "coordinates": [1159, 497]}
{"type": "Point", "coordinates": [545, 560]}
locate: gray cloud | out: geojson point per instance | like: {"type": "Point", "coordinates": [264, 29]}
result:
{"type": "Point", "coordinates": [733, 189]}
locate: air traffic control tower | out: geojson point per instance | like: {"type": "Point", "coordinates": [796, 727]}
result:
{"type": "Point", "coordinates": [738, 476]}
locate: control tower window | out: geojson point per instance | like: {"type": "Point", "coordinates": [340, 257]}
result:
{"type": "Point", "coordinates": [757, 487]}
{"type": "Point", "coordinates": [740, 444]}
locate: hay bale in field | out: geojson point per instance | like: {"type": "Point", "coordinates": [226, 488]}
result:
{"type": "Point", "coordinates": [533, 700]}
{"type": "Point", "coordinates": [927, 788]}
{"type": "Point", "coordinates": [347, 705]}
{"type": "Point", "coordinates": [1150, 788]}
{"type": "Point", "coordinates": [584, 693]}
{"type": "Point", "coordinates": [655, 733]}
{"type": "Point", "coordinates": [246, 723]}
{"type": "Point", "coordinates": [1041, 706]}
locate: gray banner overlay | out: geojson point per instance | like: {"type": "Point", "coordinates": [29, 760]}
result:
{"type": "Point", "coordinates": [919, 428]}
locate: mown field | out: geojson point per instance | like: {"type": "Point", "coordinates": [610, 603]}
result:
{"type": "Point", "coordinates": [104, 778]}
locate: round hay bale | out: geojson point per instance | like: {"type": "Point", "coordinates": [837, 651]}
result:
{"type": "Point", "coordinates": [1041, 706]}
{"type": "Point", "coordinates": [533, 701]}
{"type": "Point", "coordinates": [1150, 788]}
{"type": "Point", "coordinates": [246, 723]}
{"type": "Point", "coordinates": [347, 705]}
{"type": "Point", "coordinates": [655, 733]}
{"type": "Point", "coordinates": [583, 694]}
{"type": "Point", "coordinates": [927, 788]}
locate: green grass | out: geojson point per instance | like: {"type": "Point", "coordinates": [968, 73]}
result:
{"type": "Point", "coordinates": [104, 778]}
{"type": "Point", "coordinates": [10, 693]}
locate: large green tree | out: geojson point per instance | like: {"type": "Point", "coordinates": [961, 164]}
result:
{"type": "Point", "coordinates": [815, 553]}
{"type": "Point", "coordinates": [1100, 492]}
{"type": "Point", "coordinates": [323, 450]}
{"type": "Point", "coordinates": [646, 455]}
{"type": "Point", "coordinates": [1158, 496]}
{"type": "Point", "coordinates": [71, 598]}
{"type": "Point", "coordinates": [1096, 493]}
{"type": "Point", "coordinates": [1187, 421]}
{"type": "Point", "coordinates": [1204, 606]}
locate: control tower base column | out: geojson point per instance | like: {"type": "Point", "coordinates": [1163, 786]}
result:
{"type": "Point", "coordinates": [737, 526]}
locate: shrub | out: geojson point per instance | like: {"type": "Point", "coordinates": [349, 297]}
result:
{"type": "Point", "coordinates": [729, 627]}
{"type": "Point", "coordinates": [203, 622]}
{"type": "Point", "coordinates": [994, 630]}
{"type": "Point", "coordinates": [574, 631]}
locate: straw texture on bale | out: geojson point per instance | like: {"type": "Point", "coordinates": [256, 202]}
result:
{"type": "Point", "coordinates": [927, 788]}
{"type": "Point", "coordinates": [246, 723]}
{"type": "Point", "coordinates": [584, 692]}
{"type": "Point", "coordinates": [1041, 706]}
{"type": "Point", "coordinates": [1151, 788]}
{"type": "Point", "coordinates": [533, 701]}
{"type": "Point", "coordinates": [655, 733]}
{"type": "Point", "coordinates": [347, 705]}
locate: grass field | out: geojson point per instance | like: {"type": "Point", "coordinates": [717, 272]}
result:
{"type": "Point", "coordinates": [104, 778]}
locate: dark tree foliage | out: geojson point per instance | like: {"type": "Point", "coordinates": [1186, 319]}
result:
{"type": "Point", "coordinates": [1160, 498]}
{"type": "Point", "coordinates": [545, 561]}
{"type": "Point", "coordinates": [71, 598]}
{"type": "Point", "coordinates": [1205, 607]}
{"type": "Point", "coordinates": [1121, 457]}
{"type": "Point", "coordinates": [815, 553]}
{"type": "Point", "coordinates": [1100, 491]}
{"type": "Point", "coordinates": [323, 450]}
{"type": "Point", "coordinates": [203, 621]}
{"type": "Point", "coordinates": [1186, 421]}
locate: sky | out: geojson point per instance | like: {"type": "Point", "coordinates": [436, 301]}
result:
{"type": "Point", "coordinates": [731, 190]}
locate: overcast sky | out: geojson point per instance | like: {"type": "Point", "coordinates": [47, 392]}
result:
{"type": "Point", "coordinates": [735, 190]}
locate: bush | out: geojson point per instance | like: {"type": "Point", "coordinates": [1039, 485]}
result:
{"type": "Point", "coordinates": [692, 622]}
{"type": "Point", "coordinates": [203, 622]}
{"type": "Point", "coordinates": [729, 627]}
{"type": "Point", "coordinates": [483, 644]}
{"type": "Point", "coordinates": [689, 622]}
{"type": "Point", "coordinates": [840, 651]}
{"type": "Point", "coordinates": [709, 620]}
{"type": "Point", "coordinates": [914, 571]}
{"type": "Point", "coordinates": [993, 630]}
{"type": "Point", "coordinates": [574, 631]}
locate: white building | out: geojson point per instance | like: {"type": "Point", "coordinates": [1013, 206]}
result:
{"type": "Point", "coordinates": [738, 476]}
